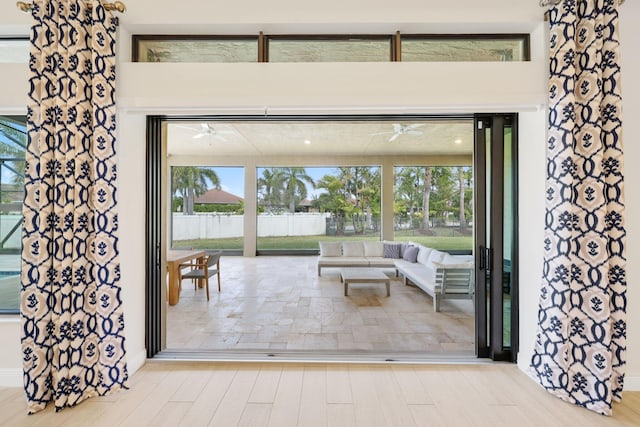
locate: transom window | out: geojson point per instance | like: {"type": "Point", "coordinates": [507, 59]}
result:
{"type": "Point", "coordinates": [332, 48]}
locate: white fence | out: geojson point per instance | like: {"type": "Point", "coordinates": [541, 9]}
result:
{"type": "Point", "coordinates": [220, 226]}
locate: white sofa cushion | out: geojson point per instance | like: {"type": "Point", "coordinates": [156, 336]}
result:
{"type": "Point", "coordinates": [434, 256]}
{"type": "Point", "coordinates": [458, 260]}
{"type": "Point", "coordinates": [352, 249]}
{"type": "Point", "coordinates": [330, 249]}
{"type": "Point", "coordinates": [423, 254]}
{"type": "Point", "coordinates": [373, 249]}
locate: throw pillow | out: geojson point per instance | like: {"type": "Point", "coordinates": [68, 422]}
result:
{"type": "Point", "coordinates": [391, 250]}
{"type": "Point", "coordinates": [330, 249]}
{"type": "Point", "coordinates": [410, 254]}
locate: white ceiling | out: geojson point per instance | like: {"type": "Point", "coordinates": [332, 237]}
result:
{"type": "Point", "coordinates": [309, 138]}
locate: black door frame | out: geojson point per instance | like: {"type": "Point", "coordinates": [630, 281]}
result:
{"type": "Point", "coordinates": [153, 229]}
{"type": "Point", "coordinates": [489, 245]}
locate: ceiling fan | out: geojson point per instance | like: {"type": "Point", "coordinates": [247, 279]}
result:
{"type": "Point", "coordinates": [207, 130]}
{"type": "Point", "coordinates": [400, 129]}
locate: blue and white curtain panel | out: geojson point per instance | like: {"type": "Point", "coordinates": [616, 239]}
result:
{"type": "Point", "coordinates": [579, 352]}
{"type": "Point", "coordinates": [71, 307]}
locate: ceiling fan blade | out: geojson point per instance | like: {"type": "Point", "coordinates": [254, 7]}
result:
{"type": "Point", "coordinates": [397, 128]}
{"type": "Point", "coordinates": [199, 135]}
{"type": "Point", "coordinates": [414, 126]}
{"type": "Point", "coordinates": [394, 137]}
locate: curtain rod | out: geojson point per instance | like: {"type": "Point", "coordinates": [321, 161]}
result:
{"type": "Point", "coordinates": [118, 6]}
{"type": "Point", "coordinates": [547, 3]}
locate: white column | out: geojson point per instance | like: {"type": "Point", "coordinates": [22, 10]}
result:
{"type": "Point", "coordinates": [250, 208]}
{"type": "Point", "coordinates": [387, 199]}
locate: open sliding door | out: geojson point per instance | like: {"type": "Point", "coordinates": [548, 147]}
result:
{"type": "Point", "coordinates": [496, 236]}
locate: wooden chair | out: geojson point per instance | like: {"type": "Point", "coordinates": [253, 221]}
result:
{"type": "Point", "coordinates": [203, 270]}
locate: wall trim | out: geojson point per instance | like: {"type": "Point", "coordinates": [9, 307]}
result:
{"type": "Point", "coordinates": [136, 361]}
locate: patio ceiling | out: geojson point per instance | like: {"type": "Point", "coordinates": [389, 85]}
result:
{"type": "Point", "coordinates": [314, 138]}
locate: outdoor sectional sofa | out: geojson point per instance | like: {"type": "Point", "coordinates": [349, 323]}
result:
{"type": "Point", "coordinates": [439, 274]}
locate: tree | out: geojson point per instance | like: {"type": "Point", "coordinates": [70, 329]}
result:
{"type": "Point", "coordinates": [426, 195]}
{"type": "Point", "coordinates": [333, 200]}
{"type": "Point", "coordinates": [409, 191]}
{"type": "Point", "coordinates": [295, 182]}
{"type": "Point", "coordinates": [461, 216]}
{"type": "Point", "coordinates": [353, 193]}
{"type": "Point", "coordinates": [191, 181]}
{"type": "Point", "coordinates": [270, 185]}
{"type": "Point", "coordinates": [443, 193]}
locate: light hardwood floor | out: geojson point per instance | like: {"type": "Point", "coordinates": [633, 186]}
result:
{"type": "Point", "coordinates": [280, 395]}
{"type": "Point", "coordinates": [281, 303]}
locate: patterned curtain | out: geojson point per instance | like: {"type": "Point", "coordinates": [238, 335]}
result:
{"type": "Point", "coordinates": [579, 353]}
{"type": "Point", "coordinates": [73, 342]}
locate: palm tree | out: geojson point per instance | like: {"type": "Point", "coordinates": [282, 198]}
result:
{"type": "Point", "coordinates": [334, 200]}
{"type": "Point", "coordinates": [463, 220]}
{"type": "Point", "coordinates": [409, 191]}
{"type": "Point", "coordinates": [295, 188]}
{"type": "Point", "coordinates": [270, 185]}
{"type": "Point", "coordinates": [425, 200]}
{"type": "Point", "coordinates": [191, 181]}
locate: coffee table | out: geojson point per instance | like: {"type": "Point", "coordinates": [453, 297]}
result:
{"type": "Point", "coordinates": [363, 275]}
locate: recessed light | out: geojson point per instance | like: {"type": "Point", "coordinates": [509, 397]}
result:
{"type": "Point", "coordinates": [306, 141]}
{"type": "Point", "coordinates": [458, 141]}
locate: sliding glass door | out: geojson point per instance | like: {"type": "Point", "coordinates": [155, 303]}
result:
{"type": "Point", "coordinates": [496, 236]}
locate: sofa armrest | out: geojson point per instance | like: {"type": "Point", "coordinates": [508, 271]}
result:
{"type": "Point", "coordinates": [455, 280]}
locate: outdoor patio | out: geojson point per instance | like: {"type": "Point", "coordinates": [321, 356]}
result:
{"type": "Point", "coordinates": [280, 303]}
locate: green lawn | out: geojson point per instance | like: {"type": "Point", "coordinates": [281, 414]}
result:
{"type": "Point", "coordinates": [443, 238]}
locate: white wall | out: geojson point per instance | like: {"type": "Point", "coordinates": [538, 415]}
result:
{"type": "Point", "coordinates": [377, 88]}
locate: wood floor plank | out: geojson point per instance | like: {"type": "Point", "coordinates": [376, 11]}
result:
{"type": "Point", "coordinates": [341, 415]}
{"type": "Point", "coordinates": [313, 399]}
{"type": "Point", "coordinates": [394, 407]}
{"type": "Point", "coordinates": [448, 395]}
{"type": "Point", "coordinates": [379, 394]}
{"type": "Point", "coordinates": [171, 414]}
{"type": "Point", "coordinates": [264, 390]}
{"type": "Point", "coordinates": [87, 413]}
{"type": "Point", "coordinates": [412, 389]}
{"type": "Point", "coordinates": [201, 411]}
{"type": "Point", "coordinates": [130, 400]}
{"type": "Point", "coordinates": [192, 386]}
{"type": "Point", "coordinates": [495, 393]}
{"type": "Point", "coordinates": [255, 415]}
{"type": "Point", "coordinates": [338, 385]}
{"type": "Point", "coordinates": [427, 415]}
{"type": "Point", "coordinates": [148, 409]}
{"type": "Point", "coordinates": [235, 399]}
{"type": "Point", "coordinates": [286, 404]}
{"type": "Point", "coordinates": [366, 402]}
